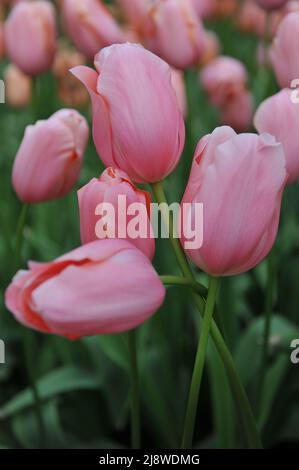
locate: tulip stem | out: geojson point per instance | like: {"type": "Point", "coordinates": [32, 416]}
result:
{"type": "Point", "coordinates": [183, 281]}
{"type": "Point", "coordinates": [199, 365]}
{"type": "Point", "coordinates": [19, 234]}
{"type": "Point", "coordinates": [27, 344]}
{"type": "Point", "coordinates": [245, 412]}
{"type": "Point", "coordinates": [267, 328]}
{"type": "Point", "coordinates": [135, 398]}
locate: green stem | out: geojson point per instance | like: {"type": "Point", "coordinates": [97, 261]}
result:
{"type": "Point", "coordinates": [27, 347]}
{"type": "Point", "coordinates": [170, 280]}
{"type": "Point", "coordinates": [27, 341]}
{"type": "Point", "coordinates": [199, 365]}
{"type": "Point", "coordinates": [135, 400]}
{"type": "Point", "coordinates": [267, 327]}
{"type": "Point", "coordinates": [19, 235]}
{"type": "Point", "coordinates": [246, 416]}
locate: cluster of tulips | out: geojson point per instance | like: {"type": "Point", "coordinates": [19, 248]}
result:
{"type": "Point", "coordinates": [140, 49]}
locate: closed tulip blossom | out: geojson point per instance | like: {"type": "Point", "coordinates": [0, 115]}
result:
{"type": "Point", "coordinates": [271, 4]}
{"type": "Point", "coordinates": [17, 87]}
{"type": "Point", "coordinates": [284, 51]}
{"type": "Point", "coordinates": [49, 159]}
{"type": "Point", "coordinates": [204, 8]}
{"type": "Point", "coordinates": [108, 189]}
{"type": "Point", "coordinates": [137, 124]}
{"type": "Point", "coordinates": [90, 25]}
{"type": "Point", "coordinates": [178, 83]}
{"type": "Point", "coordinates": [106, 286]}
{"type": "Point", "coordinates": [238, 113]}
{"type": "Point", "coordinates": [173, 31]}
{"type": "Point", "coordinates": [279, 115]}
{"type": "Point", "coordinates": [239, 179]}
{"type": "Point", "coordinates": [30, 36]}
{"type": "Point", "coordinates": [2, 45]}
{"type": "Point", "coordinates": [134, 10]}
{"type": "Point", "coordinates": [223, 78]}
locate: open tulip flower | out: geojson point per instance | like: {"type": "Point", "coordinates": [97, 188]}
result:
{"type": "Point", "coordinates": [88, 291]}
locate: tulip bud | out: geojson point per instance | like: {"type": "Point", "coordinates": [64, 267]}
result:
{"type": "Point", "coordinates": [173, 31]}
{"type": "Point", "coordinates": [279, 115]}
{"type": "Point", "coordinates": [271, 4]}
{"type": "Point", "coordinates": [134, 10]}
{"type": "Point", "coordinates": [106, 286]}
{"type": "Point", "coordinates": [137, 124]}
{"type": "Point", "coordinates": [178, 83]}
{"type": "Point", "coordinates": [17, 87]}
{"type": "Point", "coordinates": [238, 112]}
{"type": "Point", "coordinates": [90, 25]}
{"type": "Point", "coordinates": [204, 8]}
{"type": "Point", "coordinates": [49, 159]}
{"type": "Point", "coordinates": [239, 179]}
{"type": "Point", "coordinates": [70, 90]}
{"type": "Point", "coordinates": [284, 51]}
{"type": "Point", "coordinates": [30, 36]}
{"type": "Point", "coordinates": [223, 78]}
{"type": "Point", "coordinates": [252, 18]}
{"type": "Point", "coordinates": [108, 189]}
{"type": "Point", "coordinates": [211, 48]}
{"type": "Point", "coordinates": [224, 8]}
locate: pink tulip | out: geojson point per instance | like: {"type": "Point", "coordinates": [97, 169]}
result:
{"type": "Point", "coordinates": [134, 10]}
{"type": "Point", "coordinates": [49, 159]}
{"type": "Point", "coordinates": [204, 8]}
{"type": "Point", "coordinates": [178, 83]}
{"type": "Point", "coordinates": [239, 179]}
{"type": "Point", "coordinates": [2, 45]}
{"type": "Point", "coordinates": [30, 36]}
{"type": "Point", "coordinates": [174, 32]}
{"type": "Point", "coordinates": [17, 87]}
{"type": "Point", "coordinates": [223, 78]}
{"type": "Point", "coordinates": [252, 18]}
{"type": "Point", "coordinates": [211, 48]}
{"type": "Point", "coordinates": [106, 286]}
{"type": "Point", "coordinates": [271, 4]}
{"type": "Point", "coordinates": [90, 25]}
{"type": "Point", "coordinates": [284, 51]}
{"type": "Point", "coordinates": [238, 112]}
{"type": "Point", "coordinates": [137, 124]}
{"type": "Point", "coordinates": [279, 115]}
{"type": "Point", "coordinates": [107, 189]}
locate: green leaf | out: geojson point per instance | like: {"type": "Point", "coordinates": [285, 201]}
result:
{"type": "Point", "coordinates": [63, 380]}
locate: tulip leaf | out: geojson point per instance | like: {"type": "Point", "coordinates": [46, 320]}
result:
{"type": "Point", "coordinates": [62, 380]}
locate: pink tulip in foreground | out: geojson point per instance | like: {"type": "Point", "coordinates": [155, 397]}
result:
{"type": "Point", "coordinates": [271, 4]}
{"type": "Point", "coordinates": [49, 159]}
{"type": "Point", "coordinates": [107, 189]}
{"type": "Point", "coordinates": [279, 115]}
{"type": "Point", "coordinates": [90, 25]}
{"type": "Point", "coordinates": [239, 179]}
{"type": "Point", "coordinates": [137, 124]}
{"type": "Point", "coordinates": [107, 286]}
{"type": "Point", "coordinates": [223, 78]}
{"type": "Point", "coordinates": [174, 32]}
{"type": "Point", "coordinates": [284, 51]}
{"type": "Point", "coordinates": [30, 36]}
